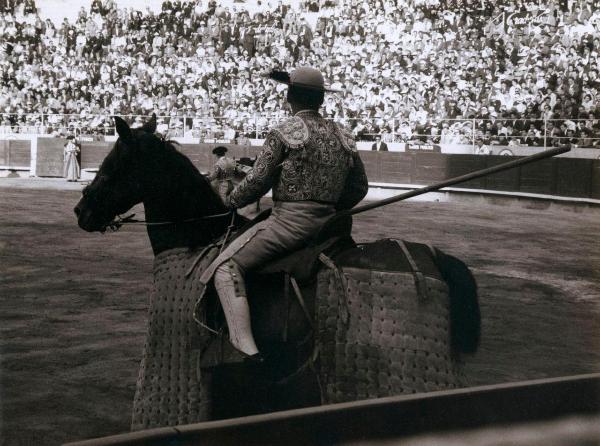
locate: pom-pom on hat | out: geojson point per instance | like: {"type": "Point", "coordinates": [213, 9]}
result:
{"type": "Point", "coordinates": [304, 77]}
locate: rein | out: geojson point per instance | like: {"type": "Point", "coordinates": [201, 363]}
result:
{"type": "Point", "coordinates": [119, 221]}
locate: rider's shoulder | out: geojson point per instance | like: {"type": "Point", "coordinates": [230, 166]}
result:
{"type": "Point", "coordinates": [292, 131]}
{"type": "Point", "coordinates": [346, 137]}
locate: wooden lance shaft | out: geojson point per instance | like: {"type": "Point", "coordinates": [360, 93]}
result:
{"type": "Point", "coordinates": [460, 179]}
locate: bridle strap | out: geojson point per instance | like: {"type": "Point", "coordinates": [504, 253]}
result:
{"type": "Point", "coordinates": [119, 221]}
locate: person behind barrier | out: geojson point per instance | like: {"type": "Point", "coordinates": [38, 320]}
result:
{"type": "Point", "coordinates": [224, 172]}
{"type": "Point", "coordinates": [379, 145]}
{"type": "Point", "coordinates": [71, 165]}
{"type": "Point", "coordinates": [481, 148]}
{"type": "Point", "coordinates": [314, 169]}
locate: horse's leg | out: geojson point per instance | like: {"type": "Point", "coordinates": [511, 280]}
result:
{"type": "Point", "coordinates": [302, 390]}
{"type": "Point", "coordinates": [239, 391]}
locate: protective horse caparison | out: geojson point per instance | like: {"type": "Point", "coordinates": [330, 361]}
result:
{"type": "Point", "coordinates": [368, 318]}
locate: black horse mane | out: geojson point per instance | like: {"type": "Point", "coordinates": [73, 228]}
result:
{"type": "Point", "coordinates": [193, 187]}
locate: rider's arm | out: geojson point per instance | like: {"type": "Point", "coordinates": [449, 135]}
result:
{"type": "Point", "coordinates": [356, 185]}
{"type": "Point", "coordinates": [262, 176]}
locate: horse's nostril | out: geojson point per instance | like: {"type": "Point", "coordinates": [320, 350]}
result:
{"type": "Point", "coordinates": [77, 210]}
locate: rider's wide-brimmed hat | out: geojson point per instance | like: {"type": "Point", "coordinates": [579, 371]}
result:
{"type": "Point", "coordinates": [304, 77]}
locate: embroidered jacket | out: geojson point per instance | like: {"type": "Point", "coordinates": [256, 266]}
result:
{"type": "Point", "coordinates": [306, 158]}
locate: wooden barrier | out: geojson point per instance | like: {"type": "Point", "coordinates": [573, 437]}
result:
{"type": "Point", "coordinates": [50, 157]}
{"type": "Point", "coordinates": [508, 180]}
{"type": "Point", "coordinates": [396, 165]}
{"type": "Point", "coordinates": [595, 182]}
{"type": "Point", "coordinates": [569, 177]}
{"type": "Point", "coordinates": [538, 178]}
{"type": "Point", "coordinates": [386, 419]}
{"type": "Point", "coordinates": [15, 153]}
{"type": "Point", "coordinates": [93, 152]}
{"type": "Point", "coordinates": [573, 177]}
{"type": "Point", "coordinates": [463, 164]}
{"type": "Point", "coordinates": [429, 168]}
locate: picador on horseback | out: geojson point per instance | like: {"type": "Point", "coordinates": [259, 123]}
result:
{"type": "Point", "coordinates": [314, 170]}
{"type": "Point", "coordinates": [337, 320]}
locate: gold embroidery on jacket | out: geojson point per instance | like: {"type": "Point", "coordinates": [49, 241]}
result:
{"type": "Point", "coordinates": [306, 158]}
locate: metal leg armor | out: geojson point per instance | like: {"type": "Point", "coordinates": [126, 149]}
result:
{"type": "Point", "coordinates": [229, 283]}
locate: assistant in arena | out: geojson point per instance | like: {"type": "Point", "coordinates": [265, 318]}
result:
{"type": "Point", "coordinates": [314, 169]}
{"type": "Point", "coordinates": [224, 172]}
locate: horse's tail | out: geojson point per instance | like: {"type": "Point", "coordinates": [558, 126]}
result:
{"type": "Point", "coordinates": [465, 317]}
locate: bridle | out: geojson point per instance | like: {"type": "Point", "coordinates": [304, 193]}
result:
{"type": "Point", "coordinates": [120, 221]}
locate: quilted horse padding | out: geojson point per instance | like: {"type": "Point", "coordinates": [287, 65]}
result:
{"type": "Point", "coordinates": [171, 388]}
{"type": "Point", "coordinates": [382, 328]}
{"type": "Point", "coordinates": [383, 324]}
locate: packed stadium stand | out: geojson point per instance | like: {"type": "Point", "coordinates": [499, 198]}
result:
{"type": "Point", "coordinates": [512, 72]}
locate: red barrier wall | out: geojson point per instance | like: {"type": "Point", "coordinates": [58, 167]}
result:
{"type": "Point", "coordinates": [595, 183]}
{"type": "Point", "coordinates": [15, 153]}
{"type": "Point", "coordinates": [569, 177]}
{"type": "Point", "coordinates": [50, 157]}
{"type": "Point", "coordinates": [93, 152]}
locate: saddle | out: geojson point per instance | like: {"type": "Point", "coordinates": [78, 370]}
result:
{"type": "Point", "coordinates": [298, 270]}
{"type": "Point", "coordinates": [304, 263]}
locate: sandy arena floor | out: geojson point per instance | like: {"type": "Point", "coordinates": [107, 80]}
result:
{"type": "Point", "coordinates": [73, 304]}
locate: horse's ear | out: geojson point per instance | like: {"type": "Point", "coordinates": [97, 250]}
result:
{"type": "Point", "coordinates": [150, 126]}
{"type": "Point", "coordinates": [123, 129]}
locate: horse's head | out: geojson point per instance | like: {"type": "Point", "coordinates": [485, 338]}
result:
{"type": "Point", "coordinates": [118, 185]}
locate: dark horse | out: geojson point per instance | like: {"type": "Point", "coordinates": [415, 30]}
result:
{"type": "Point", "coordinates": [185, 216]}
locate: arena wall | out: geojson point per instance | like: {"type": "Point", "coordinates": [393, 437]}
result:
{"type": "Point", "coordinates": [561, 176]}
{"type": "Point", "coordinates": [15, 153]}
{"type": "Point", "coordinates": [50, 157]}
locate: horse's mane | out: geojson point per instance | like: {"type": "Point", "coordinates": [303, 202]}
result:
{"type": "Point", "coordinates": [190, 181]}
{"type": "Point", "coordinates": [183, 161]}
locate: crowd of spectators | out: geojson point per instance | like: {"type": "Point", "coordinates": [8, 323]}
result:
{"type": "Point", "coordinates": [514, 72]}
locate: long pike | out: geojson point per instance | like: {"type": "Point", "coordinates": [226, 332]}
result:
{"type": "Point", "coordinates": [461, 179]}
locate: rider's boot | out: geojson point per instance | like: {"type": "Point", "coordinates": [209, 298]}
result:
{"type": "Point", "coordinates": [229, 283]}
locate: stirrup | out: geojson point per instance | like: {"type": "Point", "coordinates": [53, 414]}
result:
{"type": "Point", "coordinates": [220, 351]}
{"type": "Point", "coordinates": [235, 355]}
{"type": "Point", "coordinates": [255, 359]}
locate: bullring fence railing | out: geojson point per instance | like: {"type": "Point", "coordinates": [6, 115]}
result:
{"type": "Point", "coordinates": [583, 133]}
